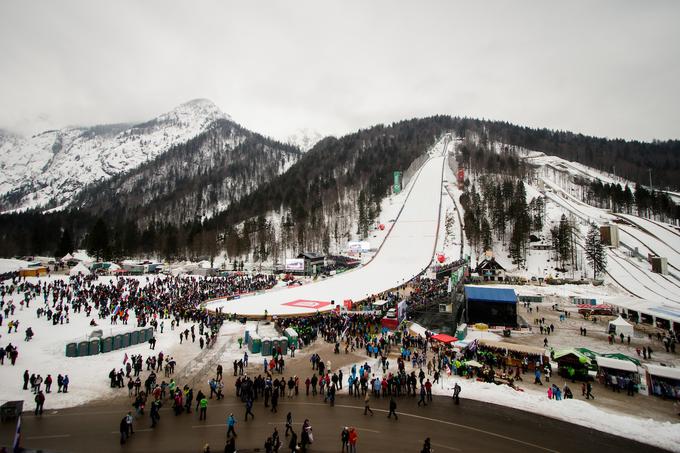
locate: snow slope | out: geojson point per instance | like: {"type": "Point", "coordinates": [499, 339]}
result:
{"type": "Point", "coordinates": [56, 164]}
{"type": "Point", "coordinates": [406, 251]}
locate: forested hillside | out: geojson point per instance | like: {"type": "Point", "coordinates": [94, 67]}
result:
{"type": "Point", "coordinates": [234, 190]}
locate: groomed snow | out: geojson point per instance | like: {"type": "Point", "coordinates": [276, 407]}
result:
{"type": "Point", "coordinates": [406, 251]}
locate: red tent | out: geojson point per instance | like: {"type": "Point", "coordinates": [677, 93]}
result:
{"type": "Point", "coordinates": [443, 338]}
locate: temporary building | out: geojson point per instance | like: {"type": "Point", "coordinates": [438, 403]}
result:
{"type": "Point", "coordinates": [616, 364]}
{"type": "Point", "coordinates": [492, 306]}
{"type": "Point", "coordinates": [79, 268]}
{"type": "Point", "coordinates": [620, 326]}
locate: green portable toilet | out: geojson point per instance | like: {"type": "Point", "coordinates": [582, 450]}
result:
{"type": "Point", "coordinates": [149, 333]}
{"type": "Point", "coordinates": [117, 342]}
{"type": "Point", "coordinates": [255, 343]}
{"type": "Point", "coordinates": [283, 343]}
{"type": "Point", "coordinates": [83, 348]}
{"type": "Point", "coordinates": [266, 346]}
{"type": "Point", "coordinates": [275, 344]}
{"type": "Point", "coordinates": [126, 340]}
{"type": "Point", "coordinates": [71, 350]}
{"type": "Point", "coordinates": [292, 336]}
{"type": "Point", "coordinates": [94, 346]}
{"type": "Point", "coordinates": [107, 344]}
{"type": "Point", "coordinates": [134, 337]}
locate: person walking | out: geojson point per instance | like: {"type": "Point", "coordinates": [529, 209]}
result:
{"type": "Point", "coordinates": [203, 404]}
{"type": "Point", "coordinates": [293, 442]}
{"type": "Point", "coordinates": [289, 423]}
{"type": "Point", "coordinates": [344, 439]}
{"type": "Point", "coordinates": [129, 419]}
{"type": "Point", "coordinates": [39, 402]}
{"type": "Point", "coordinates": [393, 409]}
{"type": "Point", "coordinates": [456, 393]}
{"type": "Point", "coordinates": [353, 437]}
{"type": "Point", "coordinates": [367, 400]}
{"type": "Point", "coordinates": [123, 429]}
{"type": "Point", "coordinates": [422, 396]}
{"type": "Point", "coordinates": [275, 401]}
{"type": "Point", "coordinates": [589, 391]}
{"type": "Point", "coordinates": [249, 407]}
{"type": "Point", "coordinates": [231, 423]}
{"type": "Point", "coordinates": [155, 414]}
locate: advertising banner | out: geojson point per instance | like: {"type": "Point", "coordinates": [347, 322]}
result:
{"type": "Point", "coordinates": [359, 246]}
{"type": "Point", "coordinates": [401, 310]}
{"type": "Point", "coordinates": [295, 264]}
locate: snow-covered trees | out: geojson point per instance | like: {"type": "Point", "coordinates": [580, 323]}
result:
{"type": "Point", "coordinates": [595, 252]}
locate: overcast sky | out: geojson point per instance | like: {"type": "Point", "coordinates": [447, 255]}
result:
{"type": "Point", "coordinates": [602, 68]}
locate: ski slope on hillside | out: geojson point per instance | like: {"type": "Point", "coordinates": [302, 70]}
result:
{"type": "Point", "coordinates": [638, 234]}
{"type": "Point", "coordinates": [407, 251]}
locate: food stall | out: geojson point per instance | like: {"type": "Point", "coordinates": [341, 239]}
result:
{"type": "Point", "coordinates": [622, 372]}
{"type": "Point", "coordinates": [573, 363]}
{"type": "Point", "coordinates": [664, 381]}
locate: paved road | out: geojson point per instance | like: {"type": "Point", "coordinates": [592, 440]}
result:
{"type": "Point", "coordinates": [470, 427]}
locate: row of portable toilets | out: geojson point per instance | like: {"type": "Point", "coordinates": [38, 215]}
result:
{"type": "Point", "coordinates": [102, 345]}
{"type": "Point", "coordinates": [266, 345]}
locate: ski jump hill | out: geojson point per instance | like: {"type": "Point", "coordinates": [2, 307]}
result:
{"type": "Point", "coordinates": [407, 251]}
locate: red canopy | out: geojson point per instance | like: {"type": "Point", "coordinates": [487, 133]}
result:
{"type": "Point", "coordinates": [442, 337]}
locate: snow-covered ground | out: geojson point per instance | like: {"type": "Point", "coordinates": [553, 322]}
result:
{"type": "Point", "coordinates": [45, 353]}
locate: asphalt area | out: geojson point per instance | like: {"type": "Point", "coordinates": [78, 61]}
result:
{"type": "Point", "coordinates": [470, 426]}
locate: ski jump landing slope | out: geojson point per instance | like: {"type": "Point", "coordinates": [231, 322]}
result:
{"type": "Point", "coordinates": [406, 251]}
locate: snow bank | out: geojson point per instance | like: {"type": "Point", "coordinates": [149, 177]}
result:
{"type": "Point", "coordinates": [661, 434]}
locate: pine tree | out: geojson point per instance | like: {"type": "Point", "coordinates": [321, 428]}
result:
{"type": "Point", "coordinates": [565, 247]}
{"type": "Point", "coordinates": [595, 252]}
{"type": "Point", "coordinates": [98, 240]}
{"type": "Point", "coordinates": [65, 244]}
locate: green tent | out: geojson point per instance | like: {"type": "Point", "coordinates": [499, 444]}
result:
{"type": "Point", "coordinates": [620, 356]}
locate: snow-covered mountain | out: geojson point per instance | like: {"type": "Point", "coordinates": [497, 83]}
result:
{"type": "Point", "coordinates": [48, 169]}
{"type": "Point", "coordinates": [304, 138]}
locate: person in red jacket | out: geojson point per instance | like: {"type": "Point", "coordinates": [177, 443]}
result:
{"type": "Point", "coordinates": [353, 437]}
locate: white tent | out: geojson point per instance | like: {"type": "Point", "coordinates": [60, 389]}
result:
{"type": "Point", "coordinates": [67, 257]}
{"type": "Point", "coordinates": [79, 269]}
{"type": "Point", "coordinates": [620, 326]}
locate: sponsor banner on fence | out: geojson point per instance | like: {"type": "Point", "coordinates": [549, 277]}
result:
{"type": "Point", "coordinates": [359, 246]}
{"type": "Point", "coordinates": [295, 264]}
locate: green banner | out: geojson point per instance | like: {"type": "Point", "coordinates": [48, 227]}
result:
{"type": "Point", "coordinates": [397, 182]}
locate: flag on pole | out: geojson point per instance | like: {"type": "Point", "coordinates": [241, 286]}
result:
{"type": "Point", "coordinates": [16, 445]}
{"type": "Point", "coordinates": [125, 359]}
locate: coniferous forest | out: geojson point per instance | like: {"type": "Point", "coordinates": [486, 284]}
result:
{"type": "Point", "coordinates": [233, 190]}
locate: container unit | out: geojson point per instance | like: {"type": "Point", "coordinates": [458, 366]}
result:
{"type": "Point", "coordinates": [292, 337]}
{"type": "Point", "coordinates": [266, 346]}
